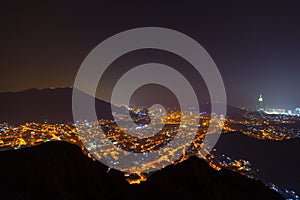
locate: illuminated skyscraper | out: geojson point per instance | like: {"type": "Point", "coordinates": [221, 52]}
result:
{"type": "Point", "coordinates": [260, 103]}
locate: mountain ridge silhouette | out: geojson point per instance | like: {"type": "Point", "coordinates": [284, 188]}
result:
{"type": "Point", "coordinates": [59, 170]}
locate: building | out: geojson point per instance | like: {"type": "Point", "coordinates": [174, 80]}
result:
{"type": "Point", "coordinates": [260, 103]}
{"type": "Point", "coordinates": [276, 111]}
{"type": "Point", "coordinates": [297, 111]}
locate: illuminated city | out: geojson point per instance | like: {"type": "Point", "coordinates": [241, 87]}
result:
{"type": "Point", "coordinates": [254, 124]}
{"type": "Point", "coordinates": [143, 100]}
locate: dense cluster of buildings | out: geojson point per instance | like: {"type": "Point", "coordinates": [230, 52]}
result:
{"type": "Point", "coordinates": [275, 111]}
{"type": "Point", "coordinates": [255, 124]}
{"type": "Point", "coordinates": [260, 125]}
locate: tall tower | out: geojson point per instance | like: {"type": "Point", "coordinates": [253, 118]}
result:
{"type": "Point", "coordinates": [260, 103]}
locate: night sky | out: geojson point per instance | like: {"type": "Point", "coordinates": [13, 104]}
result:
{"type": "Point", "coordinates": [255, 45]}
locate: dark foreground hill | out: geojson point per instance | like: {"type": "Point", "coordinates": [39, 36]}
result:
{"type": "Point", "coordinates": [278, 161]}
{"type": "Point", "coordinates": [59, 170]}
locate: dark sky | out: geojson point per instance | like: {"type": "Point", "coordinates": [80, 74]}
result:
{"type": "Point", "coordinates": [255, 45]}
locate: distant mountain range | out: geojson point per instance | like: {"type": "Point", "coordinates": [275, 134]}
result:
{"type": "Point", "coordinates": [55, 106]}
{"type": "Point", "coordinates": [52, 105]}
{"type": "Point", "coordinates": [59, 170]}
